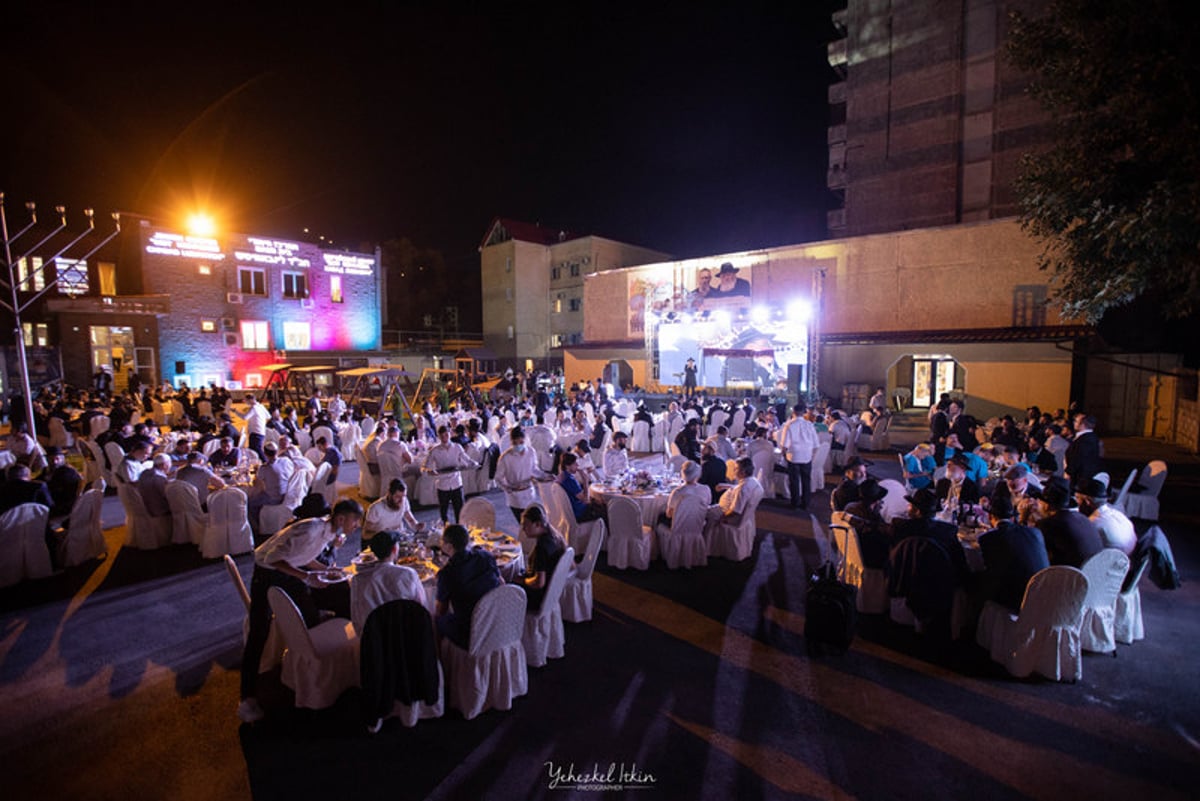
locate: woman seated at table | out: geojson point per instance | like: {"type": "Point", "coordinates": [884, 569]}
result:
{"type": "Point", "coordinates": [548, 549]}
{"type": "Point", "coordinates": [691, 488]}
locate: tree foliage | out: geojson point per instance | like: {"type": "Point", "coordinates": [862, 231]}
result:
{"type": "Point", "coordinates": [1115, 198]}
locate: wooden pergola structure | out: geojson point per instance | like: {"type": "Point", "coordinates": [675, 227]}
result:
{"type": "Point", "coordinates": [292, 385]}
{"type": "Point", "coordinates": [382, 385]}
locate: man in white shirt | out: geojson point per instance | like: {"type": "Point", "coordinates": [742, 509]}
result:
{"type": "Point", "coordinates": [445, 461]}
{"type": "Point", "coordinates": [734, 501]}
{"type": "Point", "coordinates": [381, 581]}
{"type": "Point", "coordinates": [392, 512]}
{"type": "Point", "coordinates": [1116, 530]}
{"type": "Point", "coordinates": [721, 444]}
{"type": "Point", "coordinates": [135, 462]}
{"type": "Point", "coordinates": [691, 488]}
{"type": "Point", "coordinates": [270, 484]}
{"type": "Point", "coordinates": [288, 560]}
{"type": "Point", "coordinates": [616, 458]}
{"type": "Point", "coordinates": [798, 440]}
{"type": "Point", "coordinates": [256, 417]}
{"type": "Point", "coordinates": [515, 473]}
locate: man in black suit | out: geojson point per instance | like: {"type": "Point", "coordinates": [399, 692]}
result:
{"type": "Point", "coordinates": [956, 489]}
{"type": "Point", "coordinates": [1083, 455]}
{"type": "Point", "coordinates": [1012, 554]}
{"type": "Point", "coordinates": [922, 506]}
{"type": "Point", "coordinates": [19, 489]}
{"type": "Point", "coordinates": [1070, 537]}
{"type": "Point", "coordinates": [62, 481]}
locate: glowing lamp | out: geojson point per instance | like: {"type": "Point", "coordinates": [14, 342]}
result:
{"type": "Point", "coordinates": [200, 224]}
{"type": "Point", "coordinates": [759, 315]}
{"type": "Point", "coordinates": [799, 311]}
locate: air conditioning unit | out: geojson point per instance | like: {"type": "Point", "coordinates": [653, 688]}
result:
{"type": "Point", "coordinates": [233, 297]}
{"type": "Point", "coordinates": [228, 324]}
{"type": "Point", "coordinates": [306, 303]}
{"type": "Point", "coordinates": [231, 340]}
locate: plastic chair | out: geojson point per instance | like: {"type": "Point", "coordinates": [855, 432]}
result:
{"type": "Point", "coordinates": [23, 552]}
{"type": "Point", "coordinates": [188, 520]}
{"type": "Point", "coordinates": [543, 636]}
{"type": "Point", "coordinates": [141, 530]}
{"type": "Point", "coordinates": [872, 597]}
{"type": "Point", "coordinates": [736, 542]}
{"type": "Point", "coordinates": [1143, 504]}
{"type": "Point", "coordinates": [630, 543]}
{"type": "Point", "coordinates": [492, 671]}
{"type": "Point", "coordinates": [478, 513]}
{"type": "Point", "coordinates": [83, 538]}
{"type": "Point", "coordinates": [1044, 636]}
{"type": "Point", "coordinates": [682, 543]}
{"type": "Point", "coordinates": [576, 601]}
{"type": "Point", "coordinates": [320, 663]}
{"type": "Point", "coordinates": [228, 530]}
{"type": "Point", "coordinates": [1105, 573]}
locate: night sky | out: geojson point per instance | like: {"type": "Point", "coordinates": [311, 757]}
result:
{"type": "Point", "coordinates": [682, 128]}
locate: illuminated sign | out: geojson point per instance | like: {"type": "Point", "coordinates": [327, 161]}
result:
{"type": "Point", "coordinates": [162, 243]}
{"type": "Point", "coordinates": [272, 251]}
{"type": "Point", "coordinates": [348, 264]}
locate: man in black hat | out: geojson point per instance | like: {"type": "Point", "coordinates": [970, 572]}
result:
{"type": "Point", "coordinates": [922, 506]}
{"type": "Point", "coordinates": [1070, 537]}
{"type": "Point", "coordinates": [956, 489]}
{"type": "Point", "coordinates": [874, 533]}
{"type": "Point", "coordinates": [689, 378]}
{"type": "Point", "coordinates": [728, 283]}
{"type": "Point", "coordinates": [62, 480]}
{"type": "Point", "coordinates": [1115, 529]}
{"type": "Point", "coordinates": [847, 492]}
{"type": "Point", "coordinates": [1012, 554]}
{"type": "Point", "coordinates": [688, 440]}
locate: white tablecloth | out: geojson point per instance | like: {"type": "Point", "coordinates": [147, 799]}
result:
{"type": "Point", "coordinates": [652, 504]}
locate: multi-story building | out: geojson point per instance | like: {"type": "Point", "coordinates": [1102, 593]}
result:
{"type": "Point", "coordinates": [170, 306]}
{"type": "Point", "coordinates": [532, 283]}
{"type": "Point", "coordinates": [929, 121]}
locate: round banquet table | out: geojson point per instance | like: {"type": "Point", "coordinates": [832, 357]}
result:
{"type": "Point", "coordinates": [652, 503]}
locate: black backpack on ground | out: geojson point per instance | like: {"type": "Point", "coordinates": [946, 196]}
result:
{"type": "Point", "coordinates": [830, 614]}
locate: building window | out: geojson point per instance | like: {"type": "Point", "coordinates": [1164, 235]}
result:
{"type": "Point", "coordinates": [295, 286]}
{"type": "Point", "coordinates": [72, 277]}
{"type": "Point", "coordinates": [508, 265]}
{"type": "Point", "coordinates": [508, 293]}
{"type": "Point", "coordinates": [576, 304]}
{"type": "Point", "coordinates": [37, 335]}
{"type": "Point", "coordinates": [208, 326]}
{"type": "Point", "coordinates": [182, 381]}
{"type": "Point", "coordinates": [297, 336]}
{"type": "Point", "coordinates": [107, 272]}
{"type": "Point", "coordinates": [556, 340]}
{"type": "Point", "coordinates": [558, 305]}
{"type": "Point", "coordinates": [510, 332]}
{"type": "Point", "coordinates": [575, 270]}
{"type": "Point", "coordinates": [252, 281]}
{"type": "Point", "coordinates": [255, 335]}
{"type": "Point", "coordinates": [254, 380]}
{"type": "Point", "coordinates": [555, 273]}
{"type": "Point", "coordinates": [335, 289]}
{"type": "Point", "coordinates": [204, 269]}
{"type": "Point", "coordinates": [30, 277]}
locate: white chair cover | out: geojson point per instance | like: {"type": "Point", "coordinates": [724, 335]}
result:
{"type": "Point", "coordinates": [273, 651]}
{"type": "Point", "coordinates": [475, 479]}
{"type": "Point", "coordinates": [639, 440]}
{"type": "Point", "coordinates": [322, 485]}
{"type": "Point", "coordinates": [737, 423]}
{"type": "Point", "coordinates": [1119, 503]}
{"type": "Point", "coordinates": [894, 504]}
{"type": "Point", "coordinates": [204, 408]}
{"type": "Point", "coordinates": [320, 663]}
{"type": "Point", "coordinates": [98, 425]}
{"type": "Point", "coordinates": [351, 437]}
{"type": "Point", "coordinates": [210, 447]}
{"type": "Point", "coordinates": [544, 637]}
{"type": "Point", "coordinates": [369, 486]}
{"type": "Point", "coordinates": [736, 542]}
{"type": "Point", "coordinates": [478, 512]}
{"type": "Point", "coordinates": [59, 436]}
{"type": "Point", "coordinates": [1044, 636]}
{"type": "Point", "coordinates": [94, 463]}
{"type": "Point", "coordinates": [1127, 619]}
{"type": "Point", "coordinates": [541, 438]}
{"type": "Point", "coordinates": [817, 481]}
{"type": "Point", "coordinates": [84, 537]}
{"type": "Point", "coordinates": [657, 440]}
{"type": "Point", "coordinates": [1144, 504]}
{"type": "Point", "coordinates": [322, 431]}
{"type": "Point", "coordinates": [1105, 573]}
{"type": "Point", "coordinates": [872, 597]}
{"type": "Point", "coordinates": [115, 455]}
{"type": "Point", "coordinates": [630, 544]}
{"type": "Point", "coordinates": [367, 426]}
{"type": "Point", "coordinates": [718, 419]}
{"type": "Point", "coordinates": [141, 530]}
{"type": "Point", "coordinates": [492, 671]}
{"type": "Point", "coordinates": [391, 467]}
{"type": "Point", "coordinates": [682, 543]}
{"type": "Point", "coordinates": [576, 599]}
{"type": "Point", "coordinates": [303, 440]}
{"type": "Point", "coordinates": [228, 530]}
{"type": "Point", "coordinates": [764, 471]}
{"type": "Point", "coordinates": [188, 520]}
{"type": "Point", "coordinates": [23, 551]}
{"type": "Point", "coordinates": [273, 517]}
{"type": "Point", "coordinates": [562, 517]}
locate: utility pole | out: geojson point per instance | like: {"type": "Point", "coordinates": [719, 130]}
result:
{"type": "Point", "coordinates": [10, 282]}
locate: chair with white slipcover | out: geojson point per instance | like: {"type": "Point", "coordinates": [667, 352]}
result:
{"type": "Point", "coordinates": [562, 516]}
{"type": "Point", "coordinates": [142, 530]}
{"type": "Point", "coordinates": [1143, 503]}
{"type": "Point", "coordinates": [639, 440]}
{"type": "Point", "coordinates": [396, 647]}
{"type": "Point", "coordinates": [478, 512]}
{"type": "Point", "coordinates": [543, 636]}
{"type": "Point", "coordinates": [391, 467]}
{"type": "Point", "coordinates": [736, 540]}
{"type": "Point", "coordinates": [682, 543]}
{"type": "Point", "coordinates": [1105, 573]}
{"type": "Point", "coordinates": [94, 466]}
{"type": "Point", "coordinates": [59, 436]}
{"type": "Point", "coordinates": [894, 504]}
{"type": "Point", "coordinates": [322, 431]}
{"type": "Point", "coordinates": [872, 584]}
{"type": "Point", "coordinates": [83, 538]}
{"type": "Point", "coordinates": [23, 551]}
{"type": "Point", "coordinates": [817, 471]}
{"type": "Point", "coordinates": [320, 663]}
{"type": "Point", "coordinates": [630, 543]}
{"type": "Point", "coordinates": [323, 486]}
{"type": "Point", "coordinates": [764, 471]}
{"type": "Point", "coordinates": [188, 520]}
{"type": "Point", "coordinates": [115, 455]}
{"type": "Point", "coordinates": [541, 438]}
{"type": "Point", "coordinates": [576, 601]}
{"type": "Point", "coordinates": [491, 672]}
{"type": "Point", "coordinates": [273, 517]}
{"type": "Point", "coordinates": [1127, 615]}
{"type": "Point", "coordinates": [273, 650]}
{"type": "Point", "coordinates": [1044, 636]}
{"type": "Point", "coordinates": [228, 530]}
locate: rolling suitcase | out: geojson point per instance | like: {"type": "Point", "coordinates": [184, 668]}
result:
{"type": "Point", "coordinates": [830, 614]}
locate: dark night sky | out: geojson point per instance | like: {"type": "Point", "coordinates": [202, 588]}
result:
{"type": "Point", "coordinates": [685, 128]}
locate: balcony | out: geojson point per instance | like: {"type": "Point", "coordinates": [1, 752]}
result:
{"type": "Point", "coordinates": [156, 305]}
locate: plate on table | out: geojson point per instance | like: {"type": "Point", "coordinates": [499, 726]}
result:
{"type": "Point", "coordinates": [505, 558]}
{"type": "Point", "coordinates": [425, 571]}
{"type": "Point", "coordinates": [334, 576]}
{"type": "Point", "coordinates": [364, 558]}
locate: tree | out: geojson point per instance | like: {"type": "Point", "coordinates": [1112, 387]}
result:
{"type": "Point", "coordinates": [1115, 198]}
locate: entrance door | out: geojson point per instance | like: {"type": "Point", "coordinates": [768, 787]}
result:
{"type": "Point", "coordinates": [931, 377]}
{"type": "Point", "coordinates": [112, 347]}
